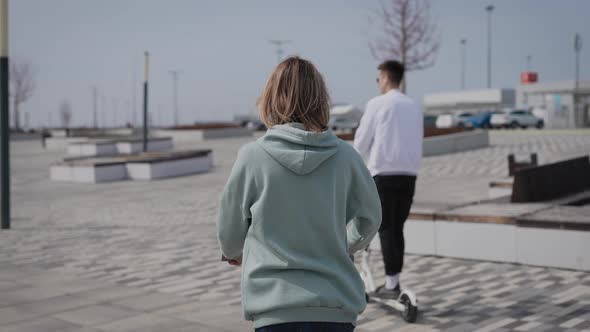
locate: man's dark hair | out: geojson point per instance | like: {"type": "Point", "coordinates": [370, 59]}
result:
{"type": "Point", "coordinates": [394, 70]}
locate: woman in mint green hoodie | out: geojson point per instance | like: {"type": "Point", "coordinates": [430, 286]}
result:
{"type": "Point", "coordinates": [299, 201]}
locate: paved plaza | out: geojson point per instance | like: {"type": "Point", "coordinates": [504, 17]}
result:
{"type": "Point", "coordinates": [142, 256]}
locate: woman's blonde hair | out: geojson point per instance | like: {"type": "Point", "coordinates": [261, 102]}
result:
{"type": "Point", "coordinates": [295, 92]}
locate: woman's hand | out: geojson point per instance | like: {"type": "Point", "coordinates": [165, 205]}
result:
{"type": "Point", "coordinates": [235, 262]}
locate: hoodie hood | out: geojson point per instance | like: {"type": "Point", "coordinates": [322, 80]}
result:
{"type": "Point", "coordinates": [298, 150]}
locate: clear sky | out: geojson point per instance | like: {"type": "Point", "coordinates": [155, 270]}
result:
{"type": "Point", "coordinates": [222, 49]}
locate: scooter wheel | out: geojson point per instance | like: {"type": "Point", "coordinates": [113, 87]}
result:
{"type": "Point", "coordinates": [410, 312]}
{"type": "Point", "coordinates": [367, 298]}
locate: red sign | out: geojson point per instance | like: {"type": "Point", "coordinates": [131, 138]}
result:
{"type": "Point", "coordinates": [527, 77]}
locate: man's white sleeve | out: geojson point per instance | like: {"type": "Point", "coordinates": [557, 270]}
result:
{"type": "Point", "coordinates": [363, 138]}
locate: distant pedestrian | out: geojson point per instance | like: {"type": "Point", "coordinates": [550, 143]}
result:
{"type": "Point", "coordinates": [285, 209]}
{"type": "Point", "coordinates": [44, 135]}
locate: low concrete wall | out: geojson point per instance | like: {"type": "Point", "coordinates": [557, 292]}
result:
{"type": "Point", "coordinates": [173, 168]}
{"type": "Point", "coordinates": [501, 240]}
{"type": "Point", "coordinates": [453, 143]}
{"type": "Point", "coordinates": [137, 146]}
{"type": "Point", "coordinates": [492, 242]}
{"type": "Point", "coordinates": [556, 248]}
{"type": "Point", "coordinates": [86, 132]}
{"type": "Point", "coordinates": [198, 135]}
{"type": "Point", "coordinates": [91, 149]}
{"type": "Point", "coordinates": [88, 174]}
{"type": "Point", "coordinates": [420, 237]}
{"type": "Point", "coordinates": [99, 148]}
{"type": "Point", "coordinates": [61, 143]}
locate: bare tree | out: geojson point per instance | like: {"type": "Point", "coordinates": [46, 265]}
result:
{"type": "Point", "coordinates": [65, 113]}
{"type": "Point", "coordinates": [22, 75]}
{"type": "Point", "coordinates": [404, 32]}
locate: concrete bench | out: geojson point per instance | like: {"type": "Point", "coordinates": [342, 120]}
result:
{"type": "Point", "coordinates": [92, 148]}
{"type": "Point", "coordinates": [500, 188]}
{"type": "Point", "coordinates": [61, 143]}
{"type": "Point", "coordinates": [198, 135]}
{"type": "Point", "coordinates": [514, 165]}
{"type": "Point", "coordinates": [136, 145]}
{"type": "Point", "coordinates": [551, 181]}
{"type": "Point", "coordinates": [113, 147]}
{"type": "Point", "coordinates": [504, 232]}
{"type": "Point", "coordinates": [144, 166]}
{"type": "Point", "coordinates": [168, 164]}
{"type": "Point", "coordinates": [90, 170]}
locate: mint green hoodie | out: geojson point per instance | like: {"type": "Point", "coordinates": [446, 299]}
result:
{"type": "Point", "coordinates": [285, 210]}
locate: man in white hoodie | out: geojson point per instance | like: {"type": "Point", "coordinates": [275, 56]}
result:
{"type": "Point", "coordinates": [390, 138]}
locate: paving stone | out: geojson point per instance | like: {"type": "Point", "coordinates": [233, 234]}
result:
{"type": "Point", "coordinates": [56, 304]}
{"type": "Point", "coordinates": [29, 294]}
{"type": "Point", "coordinates": [43, 324]}
{"type": "Point", "coordinates": [95, 315]}
{"type": "Point", "coordinates": [151, 301]}
{"type": "Point", "coordinates": [9, 315]}
{"type": "Point", "coordinates": [145, 323]}
{"type": "Point", "coordinates": [111, 293]}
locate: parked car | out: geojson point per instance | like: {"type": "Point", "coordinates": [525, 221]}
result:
{"type": "Point", "coordinates": [343, 123]}
{"type": "Point", "coordinates": [344, 117]}
{"type": "Point", "coordinates": [429, 121]}
{"type": "Point", "coordinates": [447, 121]}
{"type": "Point", "coordinates": [255, 125]}
{"type": "Point", "coordinates": [516, 118]}
{"type": "Point", "coordinates": [464, 120]}
{"type": "Point", "coordinates": [477, 120]}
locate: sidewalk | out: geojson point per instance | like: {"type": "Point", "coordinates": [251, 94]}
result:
{"type": "Point", "coordinates": [143, 256]}
{"type": "Point", "coordinates": [37, 300]}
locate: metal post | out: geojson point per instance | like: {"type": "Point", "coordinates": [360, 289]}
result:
{"type": "Point", "coordinates": [95, 107]}
{"type": "Point", "coordinates": [463, 42]}
{"type": "Point", "coordinates": [115, 110]}
{"type": "Point", "coordinates": [4, 118]}
{"type": "Point", "coordinates": [577, 49]}
{"type": "Point", "coordinates": [174, 74]}
{"type": "Point", "coordinates": [103, 111]}
{"type": "Point", "coordinates": [529, 59]}
{"type": "Point", "coordinates": [134, 95]}
{"type": "Point", "coordinates": [489, 9]}
{"type": "Point", "coordinates": [145, 101]}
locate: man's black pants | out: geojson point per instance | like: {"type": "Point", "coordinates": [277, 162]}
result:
{"type": "Point", "coordinates": [396, 193]}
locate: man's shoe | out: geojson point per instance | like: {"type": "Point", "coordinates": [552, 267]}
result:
{"type": "Point", "coordinates": [384, 293]}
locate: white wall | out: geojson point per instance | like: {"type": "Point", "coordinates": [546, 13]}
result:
{"type": "Point", "coordinates": [458, 142]}
{"type": "Point", "coordinates": [499, 242]}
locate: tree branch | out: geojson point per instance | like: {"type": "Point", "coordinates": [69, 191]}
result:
{"type": "Point", "coordinates": [406, 32]}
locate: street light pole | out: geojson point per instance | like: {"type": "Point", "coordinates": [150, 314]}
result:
{"type": "Point", "coordinates": [95, 107]}
{"type": "Point", "coordinates": [577, 49]}
{"type": "Point", "coordinates": [4, 118]}
{"type": "Point", "coordinates": [529, 59]}
{"type": "Point", "coordinates": [145, 100]}
{"type": "Point", "coordinates": [489, 9]}
{"type": "Point", "coordinates": [103, 111]}
{"type": "Point", "coordinates": [463, 42]}
{"type": "Point", "coordinates": [115, 110]}
{"type": "Point", "coordinates": [174, 74]}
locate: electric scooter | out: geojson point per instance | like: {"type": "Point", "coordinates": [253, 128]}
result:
{"type": "Point", "coordinates": [406, 303]}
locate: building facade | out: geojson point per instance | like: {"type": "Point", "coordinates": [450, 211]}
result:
{"type": "Point", "coordinates": [559, 103]}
